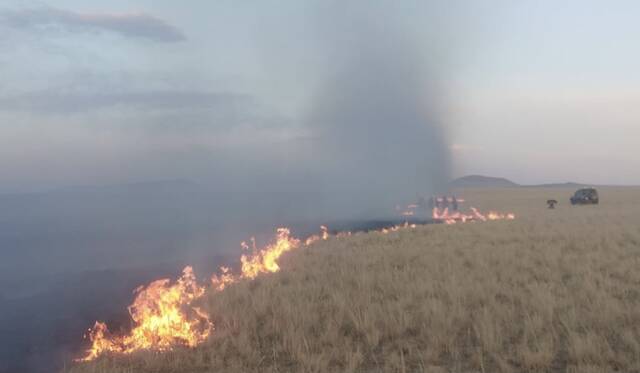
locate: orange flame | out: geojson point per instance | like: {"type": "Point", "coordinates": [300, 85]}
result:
{"type": "Point", "coordinates": [311, 239]}
{"type": "Point", "coordinates": [459, 217]}
{"type": "Point", "coordinates": [163, 313]}
{"type": "Point", "coordinates": [409, 211]}
{"type": "Point", "coordinates": [163, 316]}
{"type": "Point", "coordinates": [324, 235]}
{"type": "Point", "coordinates": [325, 232]}
{"type": "Point", "coordinates": [219, 282]}
{"type": "Point", "coordinates": [265, 260]}
{"type": "Point", "coordinates": [396, 228]}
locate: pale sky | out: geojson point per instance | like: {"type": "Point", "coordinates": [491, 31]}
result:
{"type": "Point", "coordinates": [124, 91]}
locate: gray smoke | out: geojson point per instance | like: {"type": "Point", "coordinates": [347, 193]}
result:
{"type": "Point", "coordinates": [380, 137]}
{"type": "Point", "coordinates": [369, 135]}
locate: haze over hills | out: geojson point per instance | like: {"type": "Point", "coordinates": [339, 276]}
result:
{"type": "Point", "coordinates": [481, 181]}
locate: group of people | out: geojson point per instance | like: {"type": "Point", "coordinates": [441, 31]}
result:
{"type": "Point", "coordinates": [440, 202]}
{"type": "Point", "coordinates": [444, 202]}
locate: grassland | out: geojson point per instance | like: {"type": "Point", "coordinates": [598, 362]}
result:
{"type": "Point", "coordinates": [553, 291]}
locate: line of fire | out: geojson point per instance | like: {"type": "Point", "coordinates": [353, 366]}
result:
{"type": "Point", "coordinates": [166, 314]}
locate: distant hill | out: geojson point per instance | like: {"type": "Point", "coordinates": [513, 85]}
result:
{"type": "Point", "coordinates": [571, 185]}
{"type": "Point", "coordinates": [479, 181]}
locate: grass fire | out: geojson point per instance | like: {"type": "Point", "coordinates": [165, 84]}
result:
{"type": "Point", "coordinates": [495, 296]}
{"type": "Point", "coordinates": [319, 186]}
{"type": "Point", "coordinates": [165, 314]}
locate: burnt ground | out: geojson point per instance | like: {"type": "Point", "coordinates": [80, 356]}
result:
{"type": "Point", "coordinates": [44, 316]}
{"type": "Point", "coordinates": [42, 330]}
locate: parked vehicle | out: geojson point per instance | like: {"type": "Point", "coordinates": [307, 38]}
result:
{"type": "Point", "coordinates": [585, 196]}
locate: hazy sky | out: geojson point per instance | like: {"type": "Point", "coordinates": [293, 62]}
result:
{"type": "Point", "coordinates": [123, 91]}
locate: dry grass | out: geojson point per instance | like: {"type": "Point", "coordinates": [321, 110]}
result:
{"type": "Point", "coordinates": [555, 290]}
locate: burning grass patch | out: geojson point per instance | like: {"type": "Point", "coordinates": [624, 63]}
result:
{"type": "Point", "coordinates": [555, 290]}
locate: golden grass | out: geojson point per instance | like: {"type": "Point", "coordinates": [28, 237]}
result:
{"type": "Point", "coordinates": [555, 290]}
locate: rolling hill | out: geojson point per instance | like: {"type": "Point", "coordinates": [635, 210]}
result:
{"type": "Point", "coordinates": [479, 181]}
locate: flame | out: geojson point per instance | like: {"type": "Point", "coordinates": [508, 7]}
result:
{"type": "Point", "coordinates": [100, 342]}
{"type": "Point", "coordinates": [311, 239]}
{"type": "Point", "coordinates": [323, 236]}
{"type": "Point", "coordinates": [396, 228]}
{"type": "Point", "coordinates": [219, 282]}
{"type": "Point", "coordinates": [265, 260]}
{"type": "Point", "coordinates": [459, 217]}
{"type": "Point", "coordinates": [343, 234]}
{"type": "Point", "coordinates": [163, 316]}
{"type": "Point", "coordinates": [409, 211]}
{"type": "Point", "coordinates": [325, 232]}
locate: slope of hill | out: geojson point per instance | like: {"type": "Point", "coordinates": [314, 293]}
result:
{"type": "Point", "coordinates": [545, 292]}
{"type": "Point", "coordinates": [569, 184]}
{"type": "Point", "coordinates": [479, 181]}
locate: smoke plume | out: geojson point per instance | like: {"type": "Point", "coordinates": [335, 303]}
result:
{"type": "Point", "coordinates": [364, 133]}
{"type": "Point", "coordinates": [380, 139]}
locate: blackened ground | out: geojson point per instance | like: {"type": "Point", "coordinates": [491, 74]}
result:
{"type": "Point", "coordinates": [42, 330]}
{"type": "Point", "coordinates": [44, 317]}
